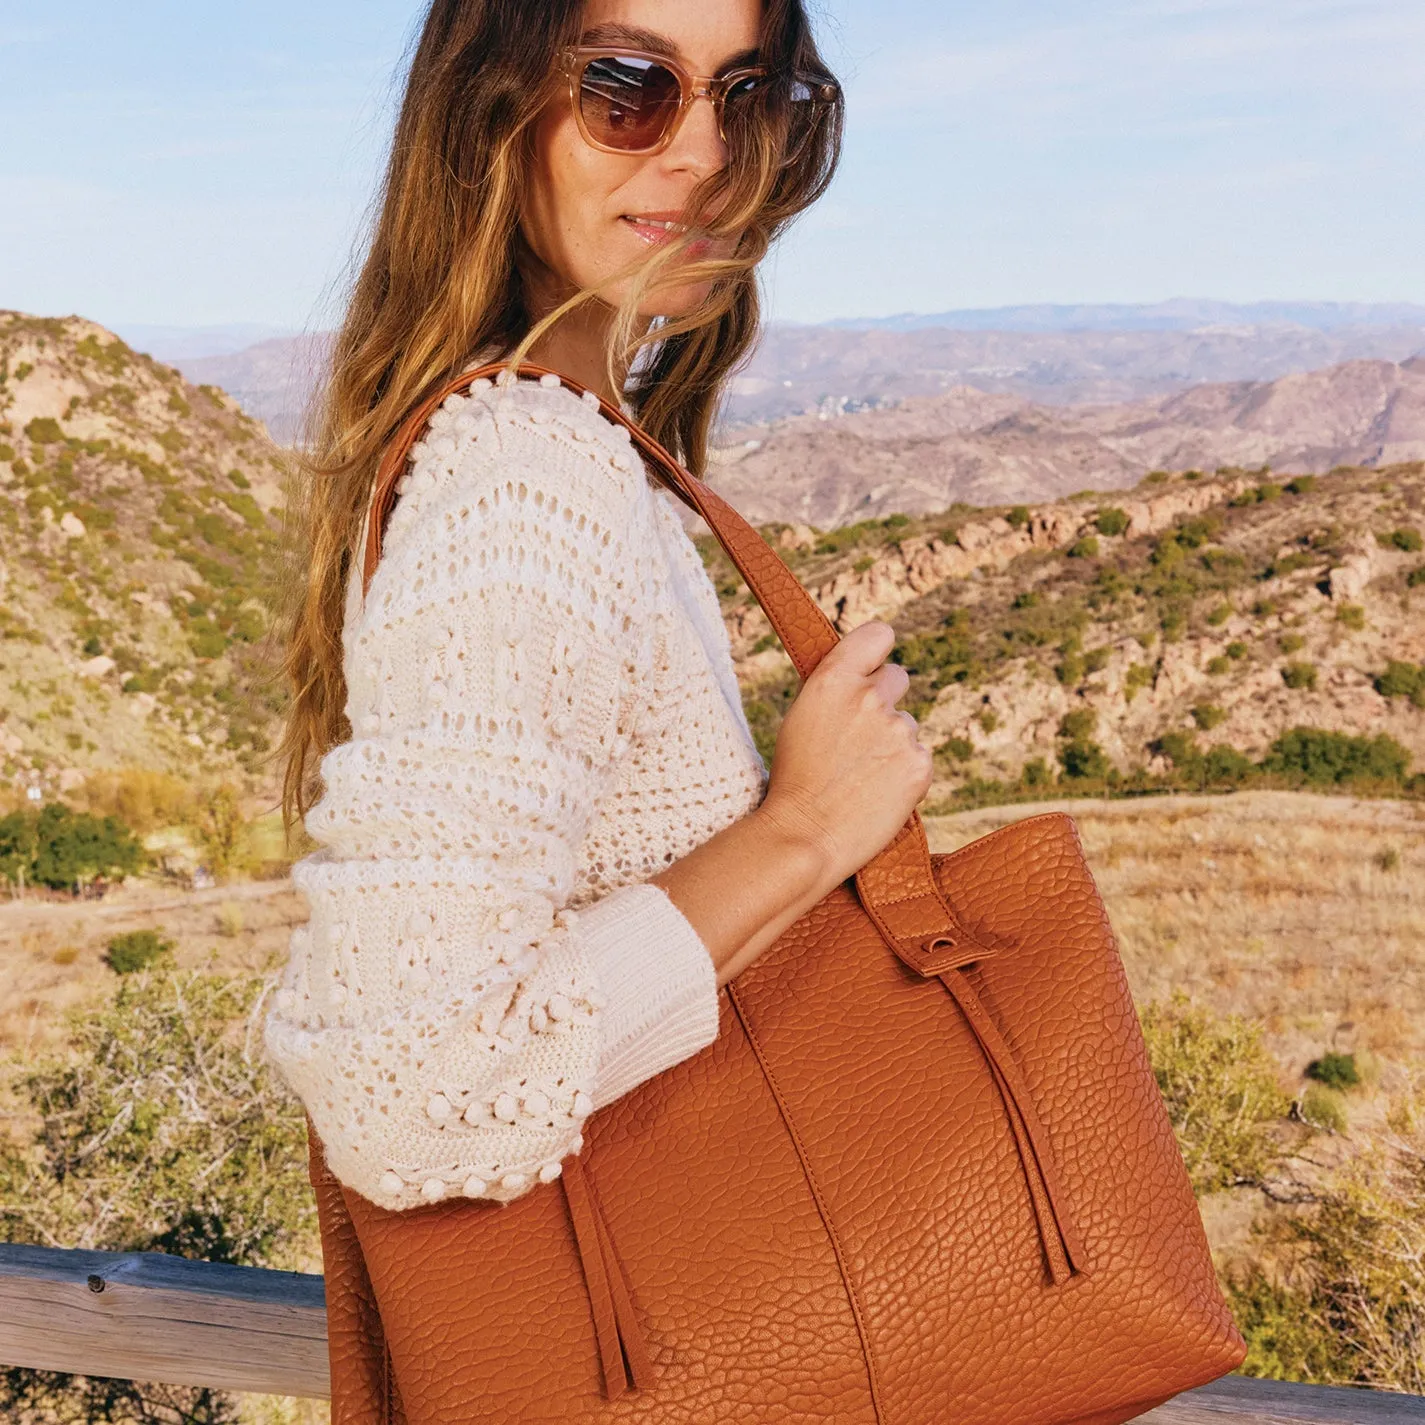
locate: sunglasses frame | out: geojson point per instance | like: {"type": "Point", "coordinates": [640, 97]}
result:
{"type": "Point", "coordinates": [575, 59]}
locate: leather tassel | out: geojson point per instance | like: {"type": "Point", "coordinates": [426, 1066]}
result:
{"type": "Point", "coordinates": [623, 1348]}
{"type": "Point", "coordinates": [1062, 1247]}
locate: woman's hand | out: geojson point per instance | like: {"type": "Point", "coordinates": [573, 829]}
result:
{"type": "Point", "coordinates": [847, 773]}
{"type": "Point", "coordinates": [848, 769]}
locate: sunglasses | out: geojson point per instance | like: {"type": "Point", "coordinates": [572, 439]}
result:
{"type": "Point", "coordinates": [631, 102]}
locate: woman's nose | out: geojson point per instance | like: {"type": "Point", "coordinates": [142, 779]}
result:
{"type": "Point", "coordinates": [698, 146]}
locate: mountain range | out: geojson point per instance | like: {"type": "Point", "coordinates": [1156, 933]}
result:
{"type": "Point", "coordinates": [971, 446]}
{"type": "Point", "coordinates": [1045, 355]}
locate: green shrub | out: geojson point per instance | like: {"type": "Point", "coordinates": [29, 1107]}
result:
{"type": "Point", "coordinates": [1323, 1108]}
{"type": "Point", "coordinates": [945, 657]}
{"type": "Point", "coordinates": [1112, 521]}
{"type": "Point", "coordinates": [1221, 1089]}
{"type": "Point", "coordinates": [1404, 539]}
{"type": "Point", "coordinates": [1220, 615]}
{"type": "Point", "coordinates": [1300, 676]}
{"type": "Point", "coordinates": [1018, 516]}
{"type": "Point", "coordinates": [1403, 680]}
{"type": "Point", "coordinates": [1071, 671]}
{"type": "Point", "coordinates": [1026, 600]}
{"type": "Point", "coordinates": [1336, 1071]}
{"type": "Point", "coordinates": [1156, 477]}
{"type": "Point", "coordinates": [866, 562]}
{"type": "Point", "coordinates": [1035, 773]}
{"type": "Point", "coordinates": [1225, 766]}
{"type": "Point", "coordinates": [159, 1128]}
{"type": "Point", "coordinates": [1219, 665]}
{"type": "Point", "coordinates": [960, 749]}
{"type": "Point", "coordinates": [137, 950]}
{"type": "Point", "coordinates": [1236, 650]}
{"type": "Point", "coordinates": [1084, 760]}
{"type": "Point", "coordinates": [1291, 643]}
{"type": "Point", "coordinates": [1322, 759]}
{"type": "Point", "coordinates": [988, 720]}
{"type": "Point", "coordinates": [206, 639]}
{"type": "Point", "coordinates": [1344, 1302]}
{"type": "Point", "coordinates": [1208, 715]}
{"type": "Point", "coordinates": [1138, 677]}
{"type": "Point", "coordinates": [1416, 577]}
{"type": "Point", "coordinates": [65, 849]}
{"type": "Point", "coordinates": [1290, 563]}
{"type": "Point", "coordinates": [1078, 724]}
{"type": "Point", "coordinates": [1351, 616]}
{"type": "Point", "coordinates": [1085, 548]}
{"type": "Point", "coordinates": [1301, 484]}
{"type": "Point", "coordinates": [44, 430]}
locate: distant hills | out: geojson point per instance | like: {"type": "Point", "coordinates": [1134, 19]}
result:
{"type": "Point", "coordinates": [1180, 314]}
{"type": "Point", "coordinates": [1050, 355]}
{"type": "Point", "coordinates": [971, 446]}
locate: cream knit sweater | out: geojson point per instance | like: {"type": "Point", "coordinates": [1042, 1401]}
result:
{"type": "Point", "coordinates": [544, 715]}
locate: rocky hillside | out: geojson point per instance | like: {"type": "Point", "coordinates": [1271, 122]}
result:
{"type": "Point", "coordinates": [982, 448]}
{"type": "Point", "coordinates": [1104, 639]}
{"type": "Point", "coordinates": [141, 520]}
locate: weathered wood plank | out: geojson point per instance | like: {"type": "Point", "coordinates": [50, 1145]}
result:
{"type": "Point", "coordinates": [148, 1317]}
{"type": "Point", "coordinates": [1273, 1402]}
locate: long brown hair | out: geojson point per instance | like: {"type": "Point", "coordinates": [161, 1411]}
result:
{"type": "Point", "coordinates": [442, 280]}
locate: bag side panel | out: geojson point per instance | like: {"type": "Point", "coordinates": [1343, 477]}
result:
{"type": "Point", "coordinates": [912, 1148]}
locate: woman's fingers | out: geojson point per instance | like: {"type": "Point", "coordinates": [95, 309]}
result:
{"type": "Point", "coordinates": [863, 650]}
{"type": "Point", "coordinates": [890, 681]}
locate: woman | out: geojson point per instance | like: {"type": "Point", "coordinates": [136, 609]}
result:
{"type": "Point", "coordinates": [546, 837]}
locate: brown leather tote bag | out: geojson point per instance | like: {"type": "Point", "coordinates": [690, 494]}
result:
{"type": "Point", "coordinates": [923, 1176]}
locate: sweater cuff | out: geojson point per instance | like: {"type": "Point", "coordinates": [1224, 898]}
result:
{"type": "Point", "coordinates": [659, 985]}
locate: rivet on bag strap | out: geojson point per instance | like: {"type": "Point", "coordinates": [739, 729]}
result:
{"type": "Point", "coordinates": [897, 886]}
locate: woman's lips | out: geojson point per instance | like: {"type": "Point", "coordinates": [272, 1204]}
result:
{"type": "Point", "coordinates": [652, 228]}
{"type": "Point", "coordinates": [656, 229]}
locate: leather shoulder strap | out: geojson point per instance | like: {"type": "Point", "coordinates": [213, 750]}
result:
{"type": "Point", "coordinates": [897, 887]}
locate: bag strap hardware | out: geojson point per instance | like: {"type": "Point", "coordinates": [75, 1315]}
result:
{"type": "Point", "coordinates": [897, 887]}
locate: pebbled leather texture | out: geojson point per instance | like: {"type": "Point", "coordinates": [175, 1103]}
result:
{"type": "Point", "coordinates": [923, 1176]}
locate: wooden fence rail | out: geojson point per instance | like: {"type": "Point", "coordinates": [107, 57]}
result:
{"type": "Point", "coordinates": [147, 1317]}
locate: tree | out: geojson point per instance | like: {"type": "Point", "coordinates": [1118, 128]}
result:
{"type": "Point", "coordinates": [64, 849]}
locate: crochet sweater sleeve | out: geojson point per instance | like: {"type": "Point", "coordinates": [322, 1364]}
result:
{"type": "Point", "coordinates": [446, 1020]}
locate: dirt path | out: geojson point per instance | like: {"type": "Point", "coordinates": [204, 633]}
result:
{"type": "Point", "coordinates": [51, 951]}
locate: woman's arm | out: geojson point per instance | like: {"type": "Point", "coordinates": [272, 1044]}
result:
{"type": "Point", "coordinates": [848, 771]}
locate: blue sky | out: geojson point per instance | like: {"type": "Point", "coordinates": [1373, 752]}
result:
{"type": "Point", "coordinates": [197, 164]}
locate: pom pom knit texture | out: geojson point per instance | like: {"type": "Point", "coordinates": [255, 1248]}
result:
{"type": "Point", "coordinates": [544, 715]}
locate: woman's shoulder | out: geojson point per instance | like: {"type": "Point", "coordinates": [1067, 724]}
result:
{"type": "Point", "coordinates": [522, 469]}
{"type": "Point", "coordinates": [535, 432]}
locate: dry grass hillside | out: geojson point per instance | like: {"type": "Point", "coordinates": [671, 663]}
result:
{"type": "Point", "coordinates": [1112, 642]}
{"type": "Point", "coordinates": [140, 518]}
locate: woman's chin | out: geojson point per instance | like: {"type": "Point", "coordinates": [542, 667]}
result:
{"type": "Point", "coordinates": [676, 301]}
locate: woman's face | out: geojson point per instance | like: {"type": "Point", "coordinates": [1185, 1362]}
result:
{"type": "Point", "coordinates": [591, 214]}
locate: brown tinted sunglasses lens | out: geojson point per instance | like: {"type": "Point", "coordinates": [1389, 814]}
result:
{"type": "Point", "coordinates": [628, 103]}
